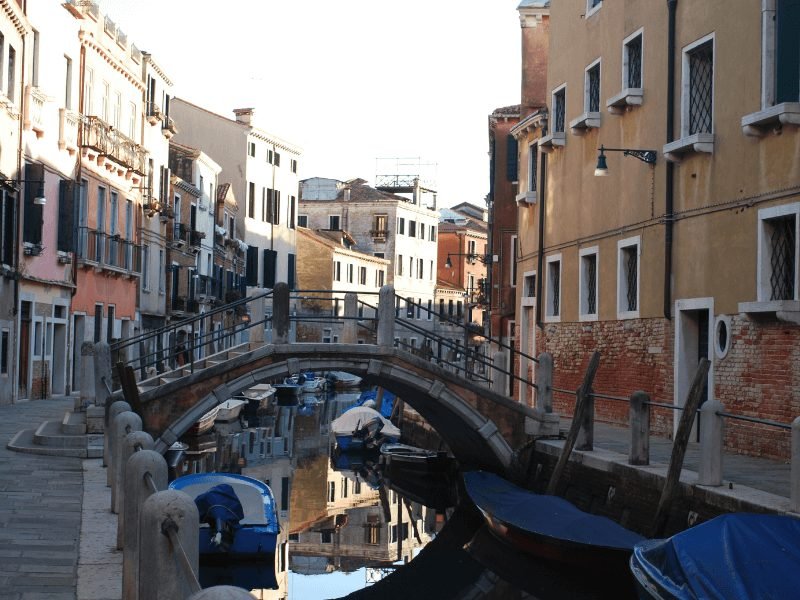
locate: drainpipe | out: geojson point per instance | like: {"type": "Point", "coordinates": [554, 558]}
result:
{"type": "Point", "coordinates": [670, 183]}
{"type": "Point", "coordinates": [540, 257]}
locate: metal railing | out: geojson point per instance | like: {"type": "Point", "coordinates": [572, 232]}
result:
{"type": "Point", "coordinates": [109, 251]}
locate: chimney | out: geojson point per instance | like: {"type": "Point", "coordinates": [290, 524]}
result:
{"type": "Point", "coordinates": [347, 194]}
{"type": "Point", "coordinates": [535, 24]}
{"type": "Point", "coordinates": [244, 115]}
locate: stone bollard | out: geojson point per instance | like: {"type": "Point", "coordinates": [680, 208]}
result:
{"type": "Point", "coordinates": [171, 567]}
{"type": "Point", "coordinates": [137, 490]}
{"type": "Point", "coordinates": [386, 317]}
{"type": "Point", "coordinates": [128, 448]}
{"type": "Point", "coordinates": [639, 421]}
{"type": "Point", "coordinates": [257, 316]}
{"type": "Point", "coordinates": [102, 372]}
{"type": "Point", "coordinates": [711, 441]}
{"type": "Point", "coordinates": [222, 592]}
{"type": "Point", "coordinates": [544, 382]}
{"type": "Point", "coordinates": [500, 373]}
{"type": "Point", "coordinates": [281, 320]}
{"type": "Point", "coordinates": [350, 328]}
{"type": "Point", "coordinates": [794, 492]}
{"type": "Point", "coordinates": [124, 423]}
{"type": "Point", "coordinates": [86, 396]}
{"type": "Point", "coordinates": [118, 407]}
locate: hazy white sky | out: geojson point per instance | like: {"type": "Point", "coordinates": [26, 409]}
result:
{"type": "Point", "coordinates": [349, 81]}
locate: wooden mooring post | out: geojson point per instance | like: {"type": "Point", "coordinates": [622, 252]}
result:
{"type": "Point", "coordinates": [679, 449]}
{"type": "Point", "coordinates": [581, 405]}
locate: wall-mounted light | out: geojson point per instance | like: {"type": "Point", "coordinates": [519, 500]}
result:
{"type": "Point", "coordinates": [39, 198]}
{"type": "Point", "coordinates": [646, 156]}
{"type": "Point", "coordinates": [484, 258]}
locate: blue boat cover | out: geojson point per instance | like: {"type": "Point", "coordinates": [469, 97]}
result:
{"type": "Point", "coordinates": [387, 401]}
{"type": "Point", "coordinates": [731, 557]}
{"type": "Point", "coordinates": [544, 515]}
{"type": "Point", "coordinates": [219, 504]}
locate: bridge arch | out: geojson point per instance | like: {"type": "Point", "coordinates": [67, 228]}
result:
{"type": "Point", "coordinates": [455, 407]}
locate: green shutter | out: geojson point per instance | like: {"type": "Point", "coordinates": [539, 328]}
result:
{"type": "Point", "coordinates": [511, 158]}
{"type": "Point", "coordinates": [787, 51]}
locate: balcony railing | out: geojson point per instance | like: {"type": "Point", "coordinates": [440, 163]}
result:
{"type": "Point", "coordinates": [68, 130]}
{"type": "Point", "coordinates": [154, 114]}
{"type": "Point", "coordinates": [180, 234]}
{"type": "Point", "coordinates": [105, 251]}
{"type": "Point", "coordinates": [196, 238]}
{"type": "Point", "coordinates": [168, 128]}
{"type": "Point", "coordinates": [109, 142]}
{"type": "Point", "coordinates": [34, 109]}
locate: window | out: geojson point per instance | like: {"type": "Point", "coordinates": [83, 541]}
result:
{"type": "Point", "coordinates": [302, 220]}
{"type": "Point", "coordinates": [268, 156]}
{"type": "Point", "coordinates": [251, 200]}
{"type": "Point", "coordinates": [67, 81]}
{"type": "Point", "coordinates": [292, 210]}
{"type": "Point", "coordinates": [401, 226]}
{"type": "Point", "coordinates": [588, 284]}
{"type": "Point", "coordinates": [422, 231]}
{"type": "Point", "coordinates": [512, 267]}
{"type": "Point", "coordinates": [592, 6]}
{"type": "Point", "coordinates": [7, 246]}
{"type": "Point", "coordinates": [533, 162]}
{"type": "Point", "coordinates": [362, 275]}
{"type": "Point", "coordinates": [441, 309]}
{"type": "Point", "coordinates": [251, 149]}
{"type": "Point", "coordinates": [512, 157]}
{"type": "Point", "coordinates": [471, 245]}
{"type": "Point", "coordinates": [399, 264]}
{"type": "Point", "coordinates": [559, 109]}
{"type": "Point", "coordinates": [380, 226]}
{"type": "Point", "coordinates": [632, 62]}
{"type": "Point", "coordinates": [778, 253]}
{"type": "Point", "coordinates": [372, 531]}
{"type": "Point", "coordinates": [294, 166]}
{"type": "Point", "coordinates": [592, 88]}
{"type": "Point", "coordinates": [350, 273]}
{"type": "Point", "coordinates": [699, 103]}
{"type": "Point", "coordinates": [2, 58]}
{"type": "Point", "coordinates": [333, 222]}
{"type": "Point", "coordinates": [553, 296]}
{"type": "Point", "coordinates": [433, 233]}
{"type": "Point", "coordinates": [337, 271]}
{"type": "Point", "coordinates": [132, 120]}
{"type": "Point", "coordinates": [277, 159]}
{"type": "Point", "coordinates": [420, 268]}
{"type": "Point", "coordinates": [412, 228]}
{"type": "Point", "coordinates": [379, 277]}
{"type": "Point", "coordinates": [4, 352]}
{"type": "Point", "coordinates": [104, 101]}
{"type": "Point", "coordinates": [529, 287]}
{"type": "Point", "coordinates": [33, 213]}
{"type": "Point", "coordinates": [628, 278]}
{"type": "Point", "coordinates": [430, 271]}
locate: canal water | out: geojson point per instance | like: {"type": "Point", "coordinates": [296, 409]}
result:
{"type": "Point", "coordinates": [353, 526]}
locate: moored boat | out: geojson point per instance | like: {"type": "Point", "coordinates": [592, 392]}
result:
{"type": "Point", "coordinates": [238, 520]}
{"type": "Point", "coordinates": [412, 457]}
{"type": "Point", "coordinates": [732, 557]}
{"type": "Point", "coordinates": [341, 380]}
{"type": "Point", "coordinates": [204, 423]}
{"type": "Point", "coordinates": [552, 528]}
{"type": "Point", "coordinates": [308, 382]}
{"type": "Point", "coordinates": [363, 427]}
{"type": "Point", "coordinates": [230, 409]}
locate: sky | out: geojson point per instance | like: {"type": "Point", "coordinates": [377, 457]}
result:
{"type": "Point", "coordinates": [350, 81]}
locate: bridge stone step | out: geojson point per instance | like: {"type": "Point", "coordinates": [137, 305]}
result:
{"type": "Point", "coordinates": [73, 423]}
{"type": "Point", "coordinates": [24, 442]}
{"type": "Point", "coordinates": [50, 434]}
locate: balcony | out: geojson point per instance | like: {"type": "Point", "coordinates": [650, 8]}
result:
{"type": "Point", "coordinates": [180, 235]}
{"type": "Point", "coordinates": [154, 114]}
{"type": "Point", "coordinates": [68, 130]}
{"type": "Point", "coordinates": [168, 128]}
{"type": "Point", "coordinates": [195, 239]}
{"type": "Point", "coordinates": [35, 100]}
{"type": "Point", "coordinates": [184, 305]}
{"type": "Point", "coordinates": [106, 252]}
{"type": "Point", "coordinates": [379, 235]}
{"type": "Point", "coordinates": [109, 143]}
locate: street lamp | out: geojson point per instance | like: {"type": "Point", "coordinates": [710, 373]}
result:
{"type": "Point", "coordinates": [484, 258]}
{"type": "Point", "coordinates": [646, 156]}
{"type": "Point", "coordinates": [39, 197]}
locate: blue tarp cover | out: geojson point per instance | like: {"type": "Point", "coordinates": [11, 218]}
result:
{"type": "Point", "coordinates": [219, 503]}
{"type": "Point", "coordinates": [731, 557]}
{"type": "Point", "coordinates": [544, 515]}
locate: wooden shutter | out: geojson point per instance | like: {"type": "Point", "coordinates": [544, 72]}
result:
{"type": "Point", "coordinates": [511, 158]}
{"type": "Point", "coordinates": [8, 228]}
{"type": "Point", "coordinates": [290, 277]}
{"type": "Point", "coordinates": [34, 186]}
{"type": "Point", "coordinates": [270, 263]}
{"type": "Point", "coordinates": [68, 200]}
{"type": "Point", "coordinates": [252, 265]}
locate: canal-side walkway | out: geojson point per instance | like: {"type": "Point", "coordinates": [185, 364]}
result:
{"type": "Point", "coordinates": [58, 535]}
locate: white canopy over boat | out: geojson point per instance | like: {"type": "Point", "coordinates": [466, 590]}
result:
{"type": "Point", "coordinates": [358, 417]}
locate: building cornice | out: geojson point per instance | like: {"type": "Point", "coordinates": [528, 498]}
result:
{"type": "Point", "coordinates": [148, 58]}
{"type": "Point", "coordinates": [16, 16]}
{"type": "Point", "coordinates": [89, 41]}
{"type": "Point", "coordinates": [535, 120]}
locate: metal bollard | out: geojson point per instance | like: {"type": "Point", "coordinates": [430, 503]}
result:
{"type": "Point", "coordinates": [639, 422]}
{"type": "Point", "coordinates": [143, 469]}
{"type": "Point", "coordinates": [711, 441]}
{"type": "Point", "coordinates": [168, 534]}
{"type": "Point", "coordinates": [794, 493]}
{"type": "Point", "coordinates": [222, 592]}
{"type": "Point", "coordinates": [128, 448]}
{"type": "Point", "coordinates": [124, 423]}
{"type": "Point", "coordinates": [118, 407]}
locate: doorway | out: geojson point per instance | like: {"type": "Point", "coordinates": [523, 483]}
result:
{"type": "Point", "coordinates": [59, 382]}
{"type": "Point", "coordinates": [78, 336]}
{"type": "Point", "coordinates": [693, 324]}
{"type": "Point", "coordinates": [23, 380]}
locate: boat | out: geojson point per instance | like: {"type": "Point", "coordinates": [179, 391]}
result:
{"type": "Point", "coordinates": [204, 423]}
{"type": "Point", "coordinates": [386, 401]}
{"type": "Point", "coordinates": [230, 409]}
{"type": "Point", "coordinates": [431, 479]}
{"type": "Point", "coordinates": [287, 394]}
{"type": "Point", "coordinates": [341, 380]}
{"type": "Point", "coordinates": [308, 382]}
{"type": "Point", "coordinates": [363, 427]}
{"type": "Point", "coordinates": [238, 519]}
{"type": "Point", "coordinates": [732, 557]}
{"type": "Point", "coordinates": [412, 457]}
{"type": "Point", "coordinates": [552, 528]}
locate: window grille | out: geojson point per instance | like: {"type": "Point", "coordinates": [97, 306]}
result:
{"type": "Point", "coordinates": [559, 101]}
{"type": "Point", "coordinates": [594, 3]}
{"type": "Point", "coordinates": [534, 159]}
{"type": "Point", "coordinates": [701, 87]}
{"type": "Point", "coordinates": [631, 259]}
{"type": "Point", "coordinates": [591, 284]}
{"type": "Point", "coordinates": [634, 52]}
{"type": "Point", "coordinates": [593, 85]}
{"type": "Point", "coordinates": [782, 257]}
{"type": "Point", "coordinates": [555, 286]}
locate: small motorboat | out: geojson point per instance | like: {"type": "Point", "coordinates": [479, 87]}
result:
{"type": "Point", "coordinates": [204, 423]}
{"type": "Point", "coordinates": [413, 457]}
{"type": "Point", "coordinates": [230, 409]}
{"type": "Point", "coordinates": [552, 528]}
{"type": "Point", "coordinates": [341, 380]}
{"type": "Point", "coordinates": [363, 427]}
{"type": "Point", "coordinates": [732, 557]}
{"type": "Point", "coordinates": [238, 519]}
{"type": "Point", "coordinates": [308, 382]}
{"type": "Point", "coordinates": [287, 394]}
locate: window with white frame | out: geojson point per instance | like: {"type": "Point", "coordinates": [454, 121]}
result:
{"type": "Point", "coordinates": [401, 226]}
{"type": "Point", "coordinates": [333, 222]}
{"type": "Point", "coordinates": [337, 271]}
{"type": "Point", "coordinates": [530, 285]}
{"type": "Point", "coordinates": [362, 275]}
{"type": "Point", "coordinates": [302, 220]}
{"type": "Point", "coordinates": [559, 109]}
{"type": "Point", "coordinates": [778, 252]}
{"type": "Point", "coordinates": [533, 160]}
{"type": "Point", "coordinates": [591, 100]}
{"type": "Point", "coordinates": [632, 62]}
{"type": "Point", "coordinates": [553, 295]}
{"type": "Point", "coordinates": [512, 268]}
{"type": "Point", "coordinates": [399, 264]}
{"type": "Point", "coordinates": [628, 253]}
{"type": "Point", "coordinates": [588, 283]}
{"type": "Point", "coordinates": [698, 87]}
{"type": "Point", "coordinates": [592, 6]}
{"type": "Point", "coordinates": [420, 268]}
{"type": "Point", "coordinates": [350, 273]}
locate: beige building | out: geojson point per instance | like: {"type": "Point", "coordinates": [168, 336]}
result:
{"type": "Point", "coordinates": [688, 247]}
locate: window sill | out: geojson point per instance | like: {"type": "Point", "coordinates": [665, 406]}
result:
{"type": "Point", "coordinates": [587, 318]}
{"type": "Point", "coordinates": [548, 143]}
{"type": "Point", "coordinates": [526, 198]}
{"type": "Point", "coordinates": [627, 98]}
{"type": "Point", "coordinates": [698, 142]}
{"type": "Point", "coordinates": [622, 316]}
{"type": "Point", "coordinates": [784, 310]}
{"type": "Point", "coordinates": [552, 318]}
{"type": "Point", "coordinates": [588, 120]}
{"type": "Point", "coordinates": [758, 124]}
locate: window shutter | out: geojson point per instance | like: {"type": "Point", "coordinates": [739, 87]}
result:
{"type": "Point", "coordinates": [788, 52]}
{"type": "Point", "coordinates": [270, 262]}
{"type": "Point", "coordinates": [290, 278]}
{"type": "Point", "coordinates": [252, 265]}
{"type": "Point", "coordinates": [32, 224]}
{"type": "Point", "coordinates": [67, 212]}
{"type": "Point", "coordinates": [511, 158]}
{"type": "Point", "coordinates": [8, 228]}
